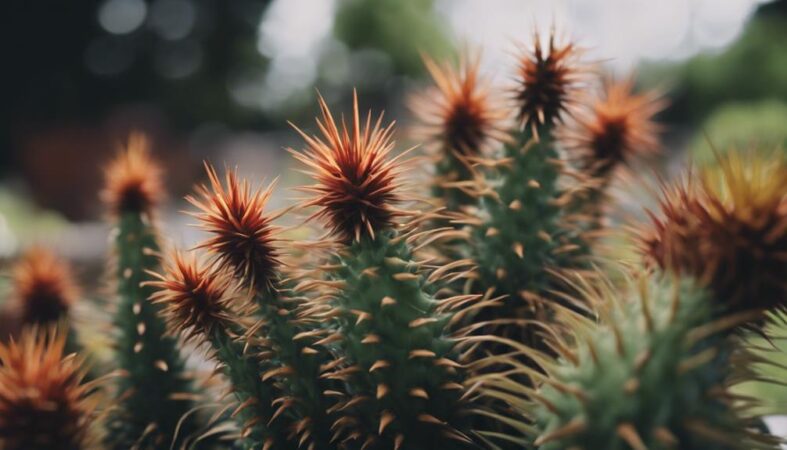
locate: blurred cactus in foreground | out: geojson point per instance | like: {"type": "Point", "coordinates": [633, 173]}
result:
{"type": "Point", "coordinates": [476, 310]}
{"type": "Point", "coordinates": [45, 404]}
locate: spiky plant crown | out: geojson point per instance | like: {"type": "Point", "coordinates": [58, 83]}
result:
{"type": "Point", "coordinates": [133, 179]}
{"type": "Point", "coordinates": [196, 299]}
{"type": "Point", "coordinates": [548, 80]}
{"type": "Point", "coordinates": [619, 126]}
{"type": "Point", "coordinates": [458, 115]}
{"type": "Point", "coordinates": [729, 230]}
{"type": "Point", "coordinates": [652, 373]}
{"type": "Point", "coordinates": [402, 384]}
{"type": "Point", "coordinates": [243, 236]}
{"type": "Point", "coordinates": [44, 287]}
{"type": "Point", "coordinates": [355, 180]}
{"type": "Point", "coordinates": [459, 121]}
{"type": "Point", "coordinates": [154, 394]}
{"type": "Point", "coordinates": [44, 402]}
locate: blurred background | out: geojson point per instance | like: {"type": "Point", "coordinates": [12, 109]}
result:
{"type": "Point", "coordinates": [218, 80]}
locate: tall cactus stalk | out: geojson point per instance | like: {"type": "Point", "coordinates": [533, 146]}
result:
{"type": "Point", "coordinates": [617, 129]}
{"type": "Point", "coordinates": [154, 393]}
{"type": "Point", "coordinates": [460, 123]}
{"type": "Point", "coordinates": [524, 232]}
{"type": "Point", "coordinates": [403, 387]}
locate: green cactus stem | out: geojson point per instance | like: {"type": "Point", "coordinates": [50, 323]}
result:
{"type": "Point", "coordinates": [154, 393]}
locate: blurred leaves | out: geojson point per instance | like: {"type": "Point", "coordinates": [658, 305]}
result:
{"type": "Point", "coordinates": [740, 126]}
{"type": "Point", "coordinates": [401, 29]}
{"type": "Point", "coordinates": [754, 68]}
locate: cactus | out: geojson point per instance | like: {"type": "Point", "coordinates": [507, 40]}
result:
{"type": "Point", "coordinates": [200, 302]}
{"type": "Point", "coordinates": [44, 402]}
{"type": "Point", "coordinates": [403, 385]}
{"type": "Point", "coordinates": [477, 323]}
{"type": "Point", "coordinates": [45, 292]}
{"type": "Point", "coordinates": [651, 375]}
{"type": "Point", "coordinates": [524, 232]}
{"type": "Point", "coordinates": [618, 129]}
{"type": "Point", "coordinates": [244, 240]}
{"type": "Point", "coordinates": [727, 230]}
{"type": "Point", "coordinates": [655, 372]}
{"type": "Point", "coordinates": [154, 393]}
{"type": "Point", "coordinates": [459, 122]}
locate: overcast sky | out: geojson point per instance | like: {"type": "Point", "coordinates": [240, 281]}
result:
{"type": "Point", "coordinates": [621, 32]}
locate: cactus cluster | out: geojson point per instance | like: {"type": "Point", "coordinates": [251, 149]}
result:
{"type": "Point", "coordinates": [477, 319]}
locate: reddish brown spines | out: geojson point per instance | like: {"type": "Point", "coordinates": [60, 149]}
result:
{"type": "Point", "coordinates": [195, 298]}
{"type": "Point", "coordinates": [548, 81]}
{"type": "Point", "coordinates": [729, 230]}
{"type": "Point", "coordinates": [43, 402]}
{"type": "Point", "coordinates": [242, 235]}
{"type": "Point", "coordinates": [619, 126]}
{"type": "Point", "coordinates": [44, 287]}
{"type": "Point", "coordinates": [133, 178]}
{"type": "Point", "coordinates": [458, 113]}
{"type": "Point", "coordinates": [356, 182]}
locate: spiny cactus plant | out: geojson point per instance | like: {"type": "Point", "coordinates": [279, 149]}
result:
{"type": "Point", "coordinates": [618, 129]}
{"type": "Point", "coordinates": [655, 372]}
{"type": "Point", "coordinates": [402, 382]}
{"type": "Point", "coordinates": [359, 341]}
{"type": "Point", "coordinates": [524, 231]}
{"type": "Point", "coordinates": [244, 239]}
{"type": "Point", "coordinates": [201, 303]}
{"type": "Point", "coordinates": [154, 393]}
{"type": "Point", "coordinates": [459, 122]}
{"type": "Point", "coordinates": [45, 404]}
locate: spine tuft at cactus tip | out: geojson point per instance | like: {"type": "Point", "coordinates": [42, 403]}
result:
{"type": "Point", "coordinates": [244, 239]}
{"type": "Point", "coordinates": [728, 229]}
{"type": "Point", "coordinates": [525, 230]}
{"type": "Point", "coordinates": [154, 393]}
{"type": "Point", "coordinates": [461, 123]}
{"type": "Point", "coordinates": [45, 404]}
{"type": "Point", "coordinates": [205, 304]}
{"type": "Point", "coordinates": [45, 292]}
{"type": "Point", "coordinates": [617, 129]}
{"type": "Point", "coordinates": [402, 383]}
